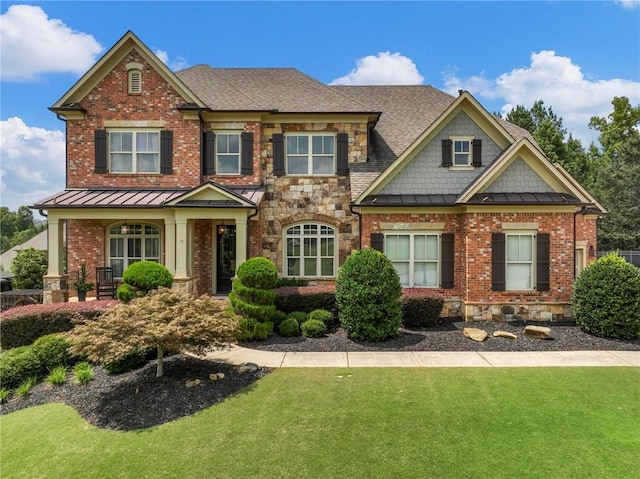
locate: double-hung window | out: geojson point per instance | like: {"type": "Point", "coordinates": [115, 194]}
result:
{"type": "Point", "coordinates": [415, 256]}
{"type": "Point", "coordinates": [131, 243]}
{"type": "Point", "coordinates": [310, 250]}
{"type": "Point", "coordinates": [461, 151]}
{"type": "Point", "coordinates": [134, 151]}
{"type": "Point", "coordinates": [308, 154]}
{"type": "Point", "coordinates": [228, 153]}
{"type": "Point", "coordinates": [519, 261]}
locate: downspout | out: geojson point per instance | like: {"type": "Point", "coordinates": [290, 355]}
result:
{"type": "Point", "coordinates": [253, 215]}
{"type": "Point", "coordinates": [66, 185]}
{"type": "Point", "coordinates": [201, 147]}
{"type": "Point", "coordinates": [359, 215]}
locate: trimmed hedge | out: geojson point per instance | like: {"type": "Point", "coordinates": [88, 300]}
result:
{"type": "Point", "coordinates": [258, 273]}
{"type": "Point", "coordinates": [421, 307]}
{"type": "Point", "coordinates": [52, 350]}
{"type": "Point", "coordinates": [22, 325]}
{"type": "Point", "coordinates": [306, 298]}
{"type": "Point", "coordinates": [17, 365]}
{"type": "Point", "coordinates": [147, 275]}
{"type": "Point", "coordinates": [313, 328]}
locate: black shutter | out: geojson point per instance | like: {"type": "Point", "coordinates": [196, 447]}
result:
{"type": "Point", "coordinates": [498, 262]}
{"type": "Point", "coordinates": [447, 158]}
{"type": "Point", "coordinates": [447, 261]}
{"type": "Point", "coordinates": [100, 144]}
{"type": "Point", "coordinates": [477, 152]}
{"type": "Point", "coordinates": [278, 154]}
{"type": "Point", "coordinates": [209, 153]}
{"type": "Point", "coordinates": [246, 164]}
{"type": "Point", "coordinates": [543, 250]}
{"type": "Point", "coordinates": [166, 152]}
{"type": "Point", "coordinates": [377, 241]}
{"type": "Point", "coordinates": [342, 154]}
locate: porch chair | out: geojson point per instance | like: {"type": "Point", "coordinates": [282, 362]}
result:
{"type": "Point", "coordinates": [105, 285]}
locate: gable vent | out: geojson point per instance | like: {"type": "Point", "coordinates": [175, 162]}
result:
{"type": "Point", "coordinates": [135, 81]}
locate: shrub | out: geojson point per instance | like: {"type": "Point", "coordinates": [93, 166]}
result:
{"type": "Point", "coordinates": [313, 328]}
{"type": "Point", "coordinates": [52, 350]}
{"type": "Point", "coordinates": [322, 315]}
{"type": "Point", "coordinates": [252, 329]}
{"type": "Point", "coordinates": [126, 293]}
{"type": "Point", "coordinates": [22, 325]}
{"type": "Point", "coordinates": [291, 282]}
{"type": "Point", "coordinates": [255, 296]}
{"type": "Point", "coordinates": [28, 268]}
{"type": "Point", "coordinates": [289, 328]}
{"type": "Point", "coordinates": [26, 386]}
{"type": "Point", "coordinates": [4, 395]}
{"type": "Point", "coordinates": [421, 307]}
{"type": "Point", "coordinates": [17, 365]}
{"type": "Point", "coordinates": [306, 298]}
{"type": "Point", "coordinates": [278, 317]}
{"type": "Point", "coordinates": [368, 296]}
{"type": "Point", "coordinates": [136, 358]}
{"type": "Point", "coordinates": [147, 275]}
{"type": "Point", "coordinates": [299, 316]}
{"type": "Point", "coordinates": [83, 372]}
{"type": "Point", "coordinates": [258, 273]}
{"type": "Point", "coordinates": [606, 298]}
{"type": "Point", "coordinates": [248, 310]}
{"type": "Point", "coordinates": [57, 376]}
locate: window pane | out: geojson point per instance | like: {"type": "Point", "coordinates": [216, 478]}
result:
{"type": "Point", "coordinates": [148, 162]}
{"type": "Point", "coordinates": [310, 265]}
{"type": "Point", "coordinates": [322, 165]}
{"type": "Point", "coordinates": [403, 271]}
{"type": "Point", "coordinates": [310, 247]}
{"type": "Point", "coordinates": [512, 248]}
{"type": "Point", "coordinates": [526, 248]}
{"type": "Point", "coordinates": [118, 267]}
{"type": "Point", "coordinates": [121, 162]}
{"type": "Point", "coordinates": [297, 165]}
{"type": "Point", "coordinates": [326, 264]}
{"type": "Point", "coordinates": [293, 247]}
{"type": "Point", "coordinates": [317, 145]}
{"type": "Point", "coordinates": [234, 143]}
{"type": "Point", "coordinates": [397, 247]}
{"type": "Point", "coordinates": [293, 230]}
{"type": "Point", "coordinates": [222, 143]}
{"type": "Point", "coordinates": [151, 230]}
{"type": "Point", "coordinates": [134, 247]}
{"type": "Point", "coordinates": [326, 247]}
{"type": "Point", "coordinates": [425, 274]}
{"type": "Point", "coordinates": [151, 248]}
{"type": "Point", "coordinates": [116, 246]}
{"type": "Point", "coordinates": [519, 276]}
{"type": "Point", "coordinates": [293, 267]}
{"type": "Point", "coordinates": [228, 164]}
{"type": "Point", "coordinates": [310, 229]}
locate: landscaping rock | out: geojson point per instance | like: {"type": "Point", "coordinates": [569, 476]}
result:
{"type": "Point", "coordinates": [192, 383]}
{"type": "Point", "coordinates": [213, 376]}
{"type": "Point", "coordinates": [504, 334]}
{"type": "Point", "coordinates": [222, 376]}
{"type": "Point", "coordinates": [476, 334]}
{"type": "Point", "coordinates": [540, 332]}
{"type": "Point", "coordinates": [247, 368]}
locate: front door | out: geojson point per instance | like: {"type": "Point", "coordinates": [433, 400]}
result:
{"type": "Point", "coordinates": [226, 257]}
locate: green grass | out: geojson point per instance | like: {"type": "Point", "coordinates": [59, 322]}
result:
{"type": "Point", "coordinates": [360, 423]}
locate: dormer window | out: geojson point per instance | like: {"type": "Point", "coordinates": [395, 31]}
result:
{"type": "Point", "coordinates": [134, 73]}
{"type": "Point", "coordinates": [461, 151]}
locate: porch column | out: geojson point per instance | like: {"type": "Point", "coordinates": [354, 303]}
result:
{"type": "Point", "coordinates": [55, 246]}
{"type": "Point", "coordinates": [181, 248]}
{"type": "Point", "coordinates": [241, 241]}
{"type": "Point", "coordinates": [170, 245]}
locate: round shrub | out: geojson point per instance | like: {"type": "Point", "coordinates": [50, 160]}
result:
{"type": "Point", "coordinates": [278, 317]}
{"type": "Point", "coordinates": [52, 350]}
{"type": "Point", "coordinates": [289, 328]}
{"type": "Point", "coordinates": [299, 316]}
{"type": "Point", "coordinates": [147, 275]}
{"type": "Point", "coordinates": [368, 296]}
{"type": "Point", "coordinates": [313, 328]}
{"type": "Point", "coordinates": [606, 298]}
{"type": "Point", "coordinates": [258, 273]}
{"type": "Point", "coordinates": [322, 315]}
{"type": "Point", "coordinates": [126, 293]}
{"type": "Point", "coordinates": [18, 365]}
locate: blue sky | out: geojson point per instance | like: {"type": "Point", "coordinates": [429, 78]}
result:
{"type": "Point", "coordinates": [575, 56]}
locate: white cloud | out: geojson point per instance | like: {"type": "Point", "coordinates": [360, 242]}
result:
{"type": "Point", "coordinates": [32, 44]}
{"type": "Point", "coordinates": [176, 65]}
{"type": "Point", "coordinates": [629, 4]}
{"type": "Point", "coordinates": [559, 83]}
{"type": "Point", "coordinates": [33, 163]}
{"type": "Point", "coordinates": [384, 69]}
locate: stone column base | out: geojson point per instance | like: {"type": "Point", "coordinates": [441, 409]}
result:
{"type": "Point", "coordinates": [55, 289]}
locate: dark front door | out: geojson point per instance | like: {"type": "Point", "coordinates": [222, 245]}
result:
{"type": "Point", "coordinates": [226, 261]}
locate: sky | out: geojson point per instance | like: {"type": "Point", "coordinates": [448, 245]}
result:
{"type": "Point", "coordinates": [574, 56]}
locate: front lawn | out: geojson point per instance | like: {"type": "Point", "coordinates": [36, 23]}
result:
{"type": "Point", "coordinates": [360, 423]}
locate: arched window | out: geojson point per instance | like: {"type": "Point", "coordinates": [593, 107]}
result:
{"type": "Point", "coordinates": [310, 250]}
{"type": "Point", "coordinates": [129, 243]}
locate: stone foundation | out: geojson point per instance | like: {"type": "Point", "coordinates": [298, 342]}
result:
{"type": "Point", "coordinates": [517, 312]}
{"type": "Point", "coordinates": [186, 285]}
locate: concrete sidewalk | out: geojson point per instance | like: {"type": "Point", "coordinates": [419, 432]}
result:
{"type": "Point", "coordinates": [426, 359]}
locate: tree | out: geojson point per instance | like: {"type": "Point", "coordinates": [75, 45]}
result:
{"type": "Point", "coordinates": [166, 319]}
{"type": "Point", "coordinates": [17, 227]}
{"type": "Point", "coordinates": [617, 128]}
{"type": "Point", "coordinates": [28, 268]}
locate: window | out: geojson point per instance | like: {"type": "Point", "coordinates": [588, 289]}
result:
{"type": "Point", "coordinates": [310, 250]}
{"type": "Point", "coordinates": [519, 261]}
{"type": "Point", "coordinates": [461, 151]}
{"type": "Point", "coordinates": [228, 153]}
{"type": "Point", "coordinates": [131, 243]}
{"type": "Point", "coordinates": [134, 151]}
{"type": "Point", "coordinates": [310, 154]}
{"type": "Point", "coordinates": [415, 256]}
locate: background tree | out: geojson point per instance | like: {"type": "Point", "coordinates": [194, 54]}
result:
{"type": "Point", "coordinates": [620, 126]}
{"type": "Point", "coordinates": [28, 268]}
{"type": "Point", "coordinates": [17, 227]}
{"type": "Point", "coordinates": [165, 319]}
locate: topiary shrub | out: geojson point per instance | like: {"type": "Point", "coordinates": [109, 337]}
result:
{"type": "Point", "coordinates": [17, 365]}
{"type": "Point", "coordinates": [322, 315]}
{"type": "Point", "coordinates": [289, 328]}
{"type": "Point", "coordinates": [421, 307]}
{"type": "Point", "coordinates": [258, 273]}
{"type": "Point", "coordinates": [299, 316]}
{"type": "Point", "coordinates": [368, 296]}
{"type": "Point", "coordinates": [147, 275]}
{"type": "Point", "coordinates": [313, 328]}
{"type": "Point", "coordinates": [126, 293]}
{"type": "Point", "coordinates": [606, 298]}
{"type": "Point", "coordinates": [52, 350]}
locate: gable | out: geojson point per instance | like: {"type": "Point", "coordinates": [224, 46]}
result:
{"type": "Point", "coordinates": [519, 177]}
{"type": "Point", "coordinates": [211, 194]}
{"type": "Point", "coordinates": [424, 173]}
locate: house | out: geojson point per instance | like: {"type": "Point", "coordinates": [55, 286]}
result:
{"type": "Point", "coordinates": [204, 168]}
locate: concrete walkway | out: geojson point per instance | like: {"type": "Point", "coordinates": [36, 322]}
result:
{"type": "Point", "coordinates": [426, 359]}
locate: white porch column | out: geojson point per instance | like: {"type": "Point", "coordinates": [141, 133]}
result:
{"type": "Point", "coordinates": [170, 245]}
{"type": "Point", "coordinates": [55, 246]}
{"type": "Point", "coordinates": [241, 241]}
{"type": "Point", "coordinates": [182, 248]}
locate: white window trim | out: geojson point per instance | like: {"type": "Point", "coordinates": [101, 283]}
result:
{"type": "Point", "coordinates": [228, 132]}
{"type": "Point", "coordinates": [469, 164]}
{"type": "Point", "coordinates": [310, 135]}
{"type": "Point", "coordinates": [286, 236]}
{"type": "Point", "coordinates": [134, 153]}
{"type": "Point", "coordinates": [143, 235]}
{"type": "Point", "coordinates": [533, 261]}
{"type": "Point", "coordinates": [412, 261]}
